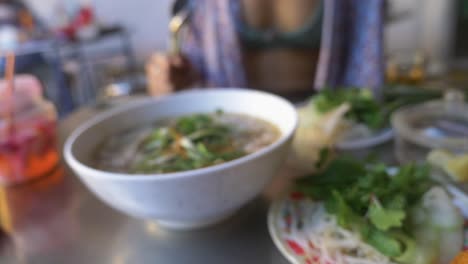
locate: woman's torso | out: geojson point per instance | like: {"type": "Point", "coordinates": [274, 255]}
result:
{"type": "Point", "coordinates": [286, 65]}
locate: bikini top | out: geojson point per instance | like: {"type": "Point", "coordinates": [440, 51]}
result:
{"type": "Point", "coordinates": [306, 37]}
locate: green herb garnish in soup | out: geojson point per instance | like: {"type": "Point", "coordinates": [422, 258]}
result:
{"type": "Point", "coordinates": [186, 143]}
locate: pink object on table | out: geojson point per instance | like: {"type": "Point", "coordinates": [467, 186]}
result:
{"type": "Point", "coordinates": [27, 131]}
{"type": "Point", "coordinates": [27, 89]}
{"type": "Point", "coordinates": [25, 85]}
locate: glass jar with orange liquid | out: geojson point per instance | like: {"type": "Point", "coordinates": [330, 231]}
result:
{"type": "Point", "coordinates": [27, 133]}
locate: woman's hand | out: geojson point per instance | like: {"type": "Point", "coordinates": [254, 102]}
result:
{"type": "Point", "coordinates": [169, 73]}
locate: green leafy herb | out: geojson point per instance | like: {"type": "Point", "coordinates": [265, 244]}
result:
{"type": "Point", "coordinates": [384, 242]}
{"type": "Point", "coordinates": [369, 200]}
{"type": "Point", "coordinates": [383, 218]}
{"type": "Point", "coordinates": [190, 124]}
{"type": "Point", "coordinates": [345, 215]}
{"type": "Point", "coordinates": [193, 142]}
{"type": "Point", "coordinates": [364, 108]}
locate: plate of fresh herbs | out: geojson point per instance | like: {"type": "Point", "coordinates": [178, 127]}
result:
{"type": "Point", "coordinates": [366, 121]}
{"type": "Point", "coordinates": [353, 212]}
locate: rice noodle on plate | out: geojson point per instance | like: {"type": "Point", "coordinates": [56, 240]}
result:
{"type": "Point", "coordinates": [331, 244]}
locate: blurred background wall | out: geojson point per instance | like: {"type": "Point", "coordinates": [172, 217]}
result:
{"type": "Point", "coordinates": [422, 26]}
{"type": "Point", "coordinates": [146, 19]}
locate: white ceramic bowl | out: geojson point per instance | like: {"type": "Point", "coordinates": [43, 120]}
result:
{"type": "Point", "coordinates": [193, 198]}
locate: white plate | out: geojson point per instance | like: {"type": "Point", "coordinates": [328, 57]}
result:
{"type": "Point", "coordinates": [368, 142]}
{"type": "Point", "coordinates": [279, 236]}
{"type": "Point", "coordinates": [284, 225]}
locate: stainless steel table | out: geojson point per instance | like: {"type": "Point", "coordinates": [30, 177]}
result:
{"type": "Point", "coordinates": [57, 220]}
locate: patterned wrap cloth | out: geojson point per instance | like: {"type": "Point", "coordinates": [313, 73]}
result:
{"type": "Point", "coordinates": [350, 53]}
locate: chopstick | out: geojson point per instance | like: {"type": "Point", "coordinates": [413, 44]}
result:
{"type": "Point", "coordinates": [10, 89]}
